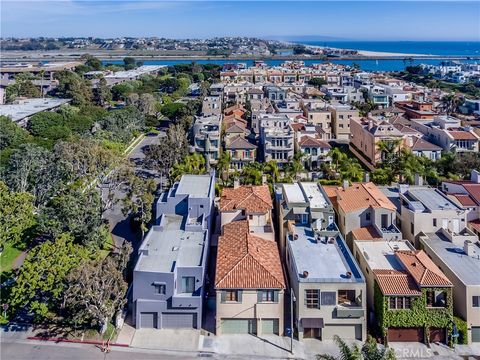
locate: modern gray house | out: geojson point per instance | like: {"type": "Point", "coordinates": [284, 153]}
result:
{"type": "Point", "coordinates": [169, 276]}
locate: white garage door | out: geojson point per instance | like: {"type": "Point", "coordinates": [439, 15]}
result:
{"type": "Point", "coordinates": [179, 320]}
{"type": "Point", "coordinates": [239, 326]}
{"type": "Point", "coordinates": [475, 334]}
{"type": "Point", "coordinates": [270, 326]}
{"type": "Point", "coordinates": [346, 332]}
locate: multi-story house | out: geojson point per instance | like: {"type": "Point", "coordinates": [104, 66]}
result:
{"type": "Point", "coordinates": [367, 134]}
{"type": "Point", "coordinates": [275, 93]}
{"type": "Point", "coordinates": [249, 283]}
{"type": "Point", "coordinates": [428, 210]}
{"type": "Point", "coordinates": [417, 109]}
{"type": "Point", "coordinates": [212, 105]}
{"type": "Point", "coordinates": [168, 278]}
{"type": "Point", "coordinates": [458, 256]}
{"type": "Point", "coordinates": [241, 152]}
{"type": "Point", "coordinates": [410, 296]}
{"type": "Point", "coordinates": [276, 138]}
{"type": "Point", "coordinates": [341, 116]}
{"type": "Point", "coordinates": [319, 117]}
{"type": "Point", "coordinates": [206, 137]}
{"type": "Point", "coordinates": [315, 151]}
{"type": "Point", "coordinates": [327, 286]}
{"type": "Point", "coordinates": [466, 194]}
{"type": "Point", "coordinates": [447, 132]}
{"type": "Point", "coordinates": [361, 208]}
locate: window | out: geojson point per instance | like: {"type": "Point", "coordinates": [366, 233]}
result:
{"type": "Point", "coordinates": [436, 298]}
{"type": "Point", "coordinates": [327, 297]}
{"type": "Point", "coordinates": [368, 216]}
{"type": "Point", "coordinates": [268, 295]}
{"type": "Point", "coordinates": [250, 217]}
{"type": "Point", "coordinates": [399, 303]}
{"type": "Point", "coordinates": [311, 299]}
{"type": "Point", "coordinates": [412, 228]}
{"type": "Point", "coordinates": [434, 222]}
{"type": "Point", "coordinates": [231, 295]}
{"type": "Point", "coordinates": [160, 288]}
{"type": "Point", "coordinates": [346, 297]}
{"type": "Point", "coordinates": [188, 284]}
{"type": "Point", "coordinates": [476, 301]}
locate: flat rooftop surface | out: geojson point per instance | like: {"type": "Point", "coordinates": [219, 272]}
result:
{"type": "Point", "coordinates": [392, 194]}
{"type": "Point", "coordinates": [171, 246]}
{"type": "Point", "coordinates": [293, 193]}
{"type": "Point", "coordinates": [432, 199]}
{"type": "Point", "coordinates": [30, 107]}
{"type": "Point", "coordinates": [145, 69]}
{"type": "Point", "coordinates": [196, 186]}
{"type": "Point", "coordinates": [467, 268]}
{"type": "Point", "coordinates": [314, 195]}
{"type": "Point", "coordinates": [324, 262]}
{"type": "Point", "coordinates": [381, 254]}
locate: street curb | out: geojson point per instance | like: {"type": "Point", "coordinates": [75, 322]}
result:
{"type": "Point", "coordinates": [88, 342]}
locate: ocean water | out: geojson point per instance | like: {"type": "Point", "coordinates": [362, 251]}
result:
{"type": "Point", "coordinates": [366, 65]}
{"type": "Point", "coordinates": [447, 48]}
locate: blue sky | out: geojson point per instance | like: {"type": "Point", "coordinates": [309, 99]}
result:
{"type": "Point", "coordinates": [352, 20]}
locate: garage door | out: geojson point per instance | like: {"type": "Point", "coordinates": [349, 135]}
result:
{"type": "Point", "coordinates": [475, 333]}
{"type": "Point", "coordinates": [148, 320]}
{"type": "Point", "coordinates": [437, 335]}
{"type": "Point", "coordinates": [270, 326]}
{"type": "Point", "coordinates": [179, 320]}
{"type": "Point", "coordinates": [347, 332]}
{"type": "Point", "coordinates": [239, 326]}
{"type": "Point", "coordinates": [405, 334]}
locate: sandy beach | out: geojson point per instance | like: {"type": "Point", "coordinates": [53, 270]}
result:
{"type": "Point", "coordinates": [367, 53]}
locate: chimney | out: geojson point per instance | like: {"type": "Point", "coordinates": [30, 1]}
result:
{"type": "Point", "coordinates": [366, 177]}
{"type": "Point", "coordinates": [475, 176]}
{"type": "Point", "coordinates": [468, 248]}
{"type": "Point", "coordinates": [264, 179]}
{"type": "Point", "coordinates": [236, 183]}
{"type": "Point", "coordinates": [345, 184]}
{"type": "Point", "coordinates": [418, 179]}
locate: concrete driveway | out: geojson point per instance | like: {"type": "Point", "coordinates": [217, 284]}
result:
{"type": "Point", "coordinates": [167, 339]}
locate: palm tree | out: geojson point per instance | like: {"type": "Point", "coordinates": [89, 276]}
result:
{"type": "Point", "coordinates": [252, 174]}
{"type": "Point", "coordinates": [369, 351]}
{"type": "Point", "coordinates": [351, 170]}
{"type": "Point", "coordinates": [450, 103]}
{"type": "Point", "coordinates": [296, 165]}
{"type": "Point", "coordinates": [389, 150]}
{"type": "Point", "coordinates": [223, 167]}
{"type": "Point", "coordinates": [346, 352]}
{"type": "Point", "coordinates": [272, 170]}
{"type": "Point", "coordinates": [338, 156]}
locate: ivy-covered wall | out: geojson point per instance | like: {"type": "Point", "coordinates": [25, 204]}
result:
{"type": "Point", "coordinates": [418, 316]}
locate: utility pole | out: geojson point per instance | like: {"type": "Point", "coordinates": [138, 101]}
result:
{"type": "Point", "coordinates": [292, 299]}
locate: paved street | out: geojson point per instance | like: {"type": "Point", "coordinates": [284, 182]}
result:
{"type": "Point", "coordinates": [119, 224]}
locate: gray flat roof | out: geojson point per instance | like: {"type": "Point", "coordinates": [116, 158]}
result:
{"type": "Point", "coordinates": [381, 254]}
{"type": "Point", "coordinates": [141, 70]}
{"type": "Point", "coordinates": [29, 107]}
{"type": "Point", "coordinates": [314, 195]}
{"type": "Point", "coordinates": [432, 199]}
{"type": "Point", "coordinates": [393, 195]}
{"type": "Point", "coordinates": [196, 186]}
{"type": "Point", "coordinates": [293, 193]}
{"type": "Point", "coordinates": [169, 246]}
{"type": "Point", "coordinates": [324, 262]}
{"type": "Point", "coordinates": [467, 268]}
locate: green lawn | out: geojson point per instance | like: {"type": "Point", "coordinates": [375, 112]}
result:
{"type": "Point", "coordinates": [9, 254]}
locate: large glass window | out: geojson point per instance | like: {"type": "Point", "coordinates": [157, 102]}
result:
{"type": "Point", "coordinates": [188, 284]}
{"type": "Point", "coordinates": [346, 297]}
{"type": "Point", "coordinates": [231, 295]}
{"type": "Point", "coordinates": [328, 297]}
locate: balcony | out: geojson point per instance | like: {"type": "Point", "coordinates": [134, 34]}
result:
{"type": "Point", "coordinates": [353, 311]}
{"type": "Point", "coordinates": [186, 301]}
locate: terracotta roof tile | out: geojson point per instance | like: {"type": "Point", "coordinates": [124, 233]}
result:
{"type": "Point", "coordinates": [366, 233]}
{"type": "Point", "coordinates": [395, 282]}
{"type": "Point", "coordinates": [462, 135]}
{"type": "Point", "coordinates": [464, 199]}
{"type": "Point", "coordinates": [419, 144]}
{"type": "Point", "coordinates": [358, 196]}
{"type": "Point", "coordinates": [475, 224]}
{"type": "Point", "coordinates": [252, 199]}
{"type": "Point", "coordinates": [309, 141]}
{"type": "Point", "coordinates": [239, 143]}
{"type": "Point", "coordinates": [245, 261]}
{"type": "Point", "coordinates": [422, 268]}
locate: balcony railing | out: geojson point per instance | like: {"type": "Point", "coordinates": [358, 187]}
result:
{"type": "Point", "coordinates": [350, 311]}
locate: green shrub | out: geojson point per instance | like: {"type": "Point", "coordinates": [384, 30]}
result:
{"type": "Point", "coordinates": [462, 330]}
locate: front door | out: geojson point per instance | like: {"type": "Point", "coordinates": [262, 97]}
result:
{"type": "Point", "coordinates": [312, 333]}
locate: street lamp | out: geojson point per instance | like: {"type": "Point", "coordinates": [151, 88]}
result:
{"type": "Point", "coordinates": [292, 299]}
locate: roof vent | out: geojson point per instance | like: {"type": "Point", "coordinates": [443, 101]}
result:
{"type": "Point", "coordinates": [175, 248]}
{"type": "Point", "coordinates": [305, 274]}
{"type": "Point", "coordinates": [349, 274]}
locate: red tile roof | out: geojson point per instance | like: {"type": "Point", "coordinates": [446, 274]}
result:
{"type": "Point", "coordinates": [475, 224]}
{"type": "Point", "coordinates": [394, 282]}
{"type": "Point", "coordinates": [366, 233]}
{"type": "Point", "coordinates": [307, 141]}
{"type": "Point", "coordinates": [252, 199]}
{"type": "Point", "coordinates": [245, 261]}
{"type": "Point", "coordinates": [422, 145]}
{"type": "Point", "coordinates": [462, 135]}
{"type": "Point", "coordinates": [422, 268]}
{"type": "Point", "coordinates": [358, 196]}
{"type": "Point", "coordinates": [464, 199]}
